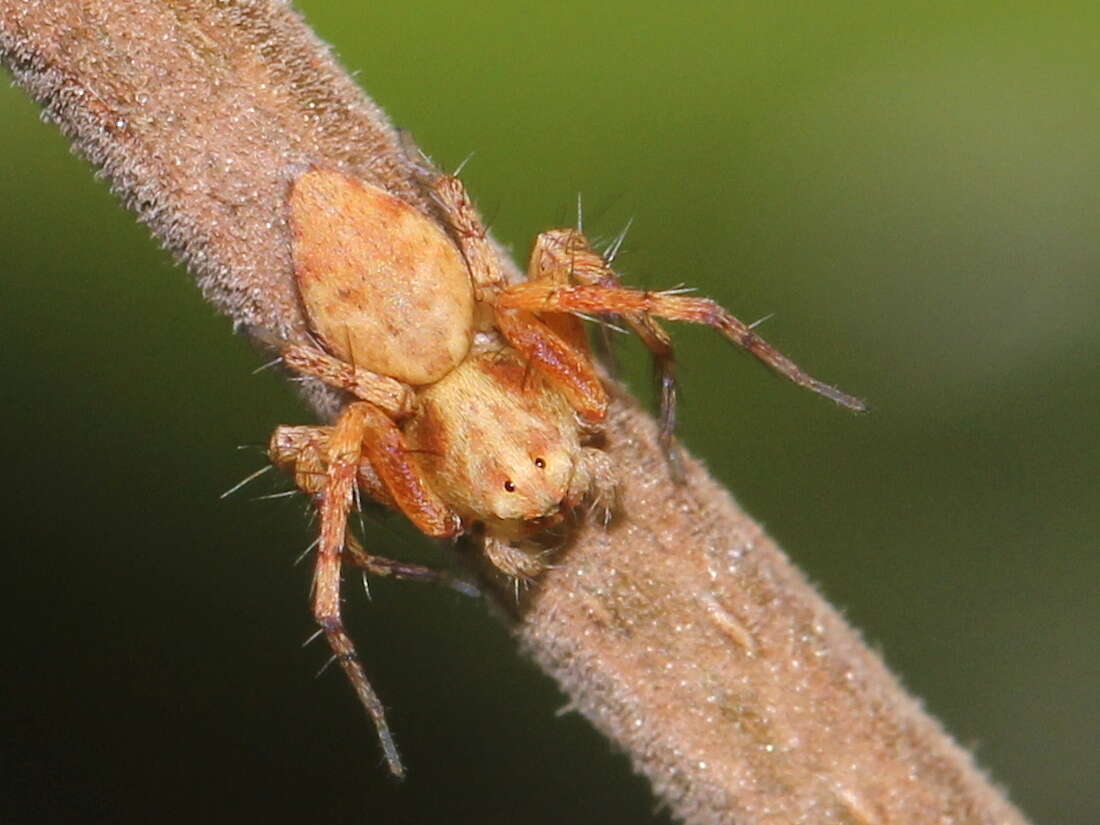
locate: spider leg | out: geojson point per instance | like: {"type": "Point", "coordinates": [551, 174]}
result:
{"type": "Point", "coordinates": [386, 393]}
{"type": "Point", "coordinates": [385, 448]}
{"type": "Point", "coordinates": [565, 257]}
{"type": "Point", "coordinates": [385, 472]}
{"type": "Point", "coordinates": [663, 358]}
{"type": "Point", "coordinates": [535, 296]}
{"type": "Point", "coordinates": [469, 233]}
{"type": "Point", "coordinates": [345, 443]}
{"type": "Point", "coordinates": [516, 563]}
{"type": "Point", "coordinates": [302, 451]}
{"type": "Point", "coordinates": [565, 364]}
{"type": "Point", "coordinates": [363, 449]}
{"type": "Point", "coordinates": [383, 567]}
{"type": "Point", "coordinates": [555, 341]}
{"type": "Point", "coordinates": [555, 345]}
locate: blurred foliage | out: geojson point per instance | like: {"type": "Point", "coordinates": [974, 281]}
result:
{"type": "Point", "coordinates": [912, 188]}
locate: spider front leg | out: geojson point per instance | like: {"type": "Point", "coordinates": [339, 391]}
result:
{"type": "Point", "coordinates": [400, 482]}
{"type": "Point", "coordinates": [544, 297]}
{"type": "Point", "coordinates": [344, 448]}
{"type": "Point", "coordinates": [568, 366]}
{"type": "Point", "coordinates": [328, 463]}
{"type": "Point", "coordinates": [303, 451]}
{"type": "Point", "coordinates": [385, 472]}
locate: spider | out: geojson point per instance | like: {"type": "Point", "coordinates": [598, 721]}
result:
{"type": "Point", "coordinates": [473, 400]}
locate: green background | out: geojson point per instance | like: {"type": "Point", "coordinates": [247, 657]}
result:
{"type": "Point", "coordinates": [912, 188]}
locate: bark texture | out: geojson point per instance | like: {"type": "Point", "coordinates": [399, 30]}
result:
{"type": "Point", "coordinates": [686, 636]}
{"type": "Point", "coordinates": [682, 631]}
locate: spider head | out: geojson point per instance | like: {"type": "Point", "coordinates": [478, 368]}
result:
{"type": "Point", "coordinates": [498, 444]}
{"type": "Point", "coordinates": [528, 478]}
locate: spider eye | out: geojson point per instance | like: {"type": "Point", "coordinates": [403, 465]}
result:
{"type": "Point", "coordinates": [540, 463]}
{"type": "Point", "coordinates": [509, 486]}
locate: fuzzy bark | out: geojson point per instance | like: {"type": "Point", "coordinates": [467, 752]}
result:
{"type": "Point", "coordinates": [682, 632]}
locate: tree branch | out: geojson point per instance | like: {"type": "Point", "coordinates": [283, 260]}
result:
{"type": "Point", "coordinates": [682, 631]}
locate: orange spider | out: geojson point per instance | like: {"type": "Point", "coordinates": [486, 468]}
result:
{"type": "Point", "coordinates": [472, 398]}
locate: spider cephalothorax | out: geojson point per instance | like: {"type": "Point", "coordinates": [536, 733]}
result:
{"type": "Point", "coordinates": [473, 399]}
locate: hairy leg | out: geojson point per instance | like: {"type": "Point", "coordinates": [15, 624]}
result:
{"type": "Point", "coordinates": [469, 233]}
{"type": "Point", "coordinates": [515, 562]}
{"type": "Point", "coordinates": [383, 567]}
{"type": "Point", "coordinates": [363, 449]}
{"type": "Point", "coordinates": [385, 393]}
{"type": "Point", "coordinates": [568, 367]}
{"type": "Point", "coordinates": [404, 480]}
{"type": "Point", "coordinates": [555, 346]}
{"type": "Point", "coordinates": [344, 447]}
{"type": "Point", "coordinates": [565, 257]}
{"type": "Point", "coordinates": [386, 473]}
{"type": "Point", "coordinates": [303, 451]}
{"type": "Point", "coordinates": [535, 296]}
{"type": "Point", "coordinates": [595, 481]}
{"type": "Point", "coordinates": [555, 342]}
